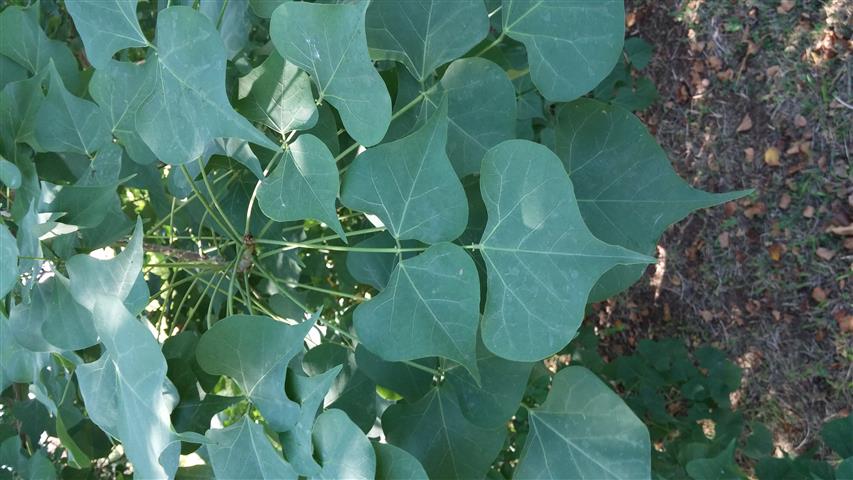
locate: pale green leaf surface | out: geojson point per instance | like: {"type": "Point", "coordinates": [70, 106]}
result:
{"type": "Point", "coordinates": [394, 463]}
{"type": "Point", "coordinates": [627, 191]}
{"type": "Point", "coordinates": [721, 466]}
{"type": "Point", "coordinates": [424, 34]}
{"type": "Point", "coordinates": [188, 105]}
{"type": "Point", "coordinates": [309, 392]}
{"type": "Point", "coordinates": [264, 8]}
{"type": "Point", "coordinates": [430, 307]}
{"type": "Point", "coordinates": [410, 185]}
{"type": "Point", "coordinates": [233, 21]}
{"type": "Point", "coordinates": [481, 111]}
{"type": "Point", "coordinates": [124, 391]}
{"type": "Point", "coordinates": [65, 123]}
{"type": "Point", "coordinates": [304, 185]}
{"type": "Point", "coordinates": [8, 261]}
{"type": "Point", "coordinates": [120, 88]}
{"type": "Point", "coordinates": [352, 391]}
{"type": "Point", "coordinates": [10, 175]}
{"type": "Point", "coordinates": [64, 323]}
{"type": "Point", "coordinates": [119, 277]}
{"type": "Point", "coordinates": [542, 260]}
{"type": "Point", "coordinates": [106, 26]}
{"type": "Point", "coordinates": [11, 71]}
{"type": "Point", "coordinates": [435, 432]}
{"type": "Point", "coordinates": [328, 42]}
{"type": "Point", "coordinates": [584, 430]}
{"type": "Point", "coordinates": [278, 94]}
{"type": "Point", "coordinates": [255, 351]}
{"type": "Point", "coordinates": [243, 451]}
{"type": "Point", "coordinates": [496, 397]}
{"type": "Point", "coordinates": [571, 44]}
{"type": "Point", "coordinates": [23, 41]}
{"type": "Point", "coordinates": [342, 449]}
{"type": "Point", "coordinates": [17, 364]}
{"type": "Point", "coordinates": [19, 103]}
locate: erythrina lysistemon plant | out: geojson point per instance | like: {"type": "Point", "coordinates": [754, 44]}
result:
{"type": "Point", "coordinates": [318, 239]}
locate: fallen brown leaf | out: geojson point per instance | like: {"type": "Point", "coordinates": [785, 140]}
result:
{"type": "Point", "coordinates": [724, 239]}
{"type": "Point", "coordinates": [750, 154]}
{"type": "Point", "coordinates": [845, 322]}
{"type": "Point", "coordinates": [785, 201]}
{"type": "Point", "coordinates": [808, 212]}
{"type": "Point", "coordinates": [825, 253]}
{"type": "Point", "coordinates": [745, 124]}
{"type": "Point", "coordinates": [706, 315]}
{"type": "Point", "coordinates": [775, 251]}
{"type": "Point", "coordinates": [786, 6]}
{"type": "Point", "coordinates": [800, 121]}
{"type": "Point", "coordinates": [844, 231]}
{"type": "Point", "coordinates": [756, 210]}
{"type": "Point", "coordinates": [772, 156]}
{"type": "Point", "coordinates": [818, 295]}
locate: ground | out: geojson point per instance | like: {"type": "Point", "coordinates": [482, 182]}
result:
{"type": "Point", "coordinates": [756, 94]}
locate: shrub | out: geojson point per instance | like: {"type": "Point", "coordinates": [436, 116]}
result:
{"type": "Point", "coordinates": [347, 234]}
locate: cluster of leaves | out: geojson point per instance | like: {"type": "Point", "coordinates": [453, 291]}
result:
{"type": "Point", "coordinates": [684, 400]}
{"type": "Point", "coordinates": [320, 281]}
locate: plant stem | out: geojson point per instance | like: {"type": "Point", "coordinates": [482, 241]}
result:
{"type": "Point", "coordinates": [325, 290]}
{"type": "Point", "coordinates": [491, 45]}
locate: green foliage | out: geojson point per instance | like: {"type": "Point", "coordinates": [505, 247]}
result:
{"type": "Point", "coordinates": [320, 282]}
{"type": "Point", "coordinates": [683, 398]}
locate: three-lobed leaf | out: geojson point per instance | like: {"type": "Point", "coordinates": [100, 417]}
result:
{"type": "Point", "coordinates": [541, 258]}
{"type": "Point", "coordinates": [410, 185]}
{"type": "Point", "coordinates": [328, 42]}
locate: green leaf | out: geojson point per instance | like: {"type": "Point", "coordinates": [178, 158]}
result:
{"type": "Point", "coordinates": [19, 103]}
{"type": "Point", "coordinates": [278, 94]}
{"type": "Point", "coordinates": [374, 268]}
{"type": "Point", "coordinates": [65, 123]}
{"type": "Point", "coordinates": [837, 433]}
{"type": "Point", "coordinates": [85, 206]}
{"type": "Point", "coordinates": [254, 351]}
{"type": "Point", "coordinates": [233, 22]}
{"type": "Point", "coordinates": [424, 34]}
{"type": "Point", "coordinates": [352, 391]}
{"type": "Point", "coordinates": [296, 442]}
{"type": "Point", "coordinates": [265, 8]}
{"type": "Point", "coordinates": [760, 441]}
{"type": "Point", "coordinates": [419, 196]}
{"type": "Point", "coordinates": [627, 191]}
{"type": "Point", "coordinates": [123, 390]}
{"type": "Point", "coordinates": [188, 106]}
{"type": "Point", "coordinates": [23, 41]}
{"type": "Point", "coordinates": [10, 175]}
{"type": "Point", "coordinates": [17, 364]}
{"type": "Point", "coordinates": [61, 321]}
{"type": "Point", "coordinates": [410, 382]}
{"type": "Point", "coordinates": [720, 467]}
{"type": "Point", "coordinates": [845, 470]}
{"type": "Point", "coordinates": [106, 26]}
{"type": "Point", "coordinates": [328, 42]}
{"type": "Point", "coordinates": [120, 89]}
{"type": "Point", "coordinates": [571, 44]}
{"type": "Point", "coordinates": [242, 450]}
{"type": "Point", "coordinates": [429, 308]}
{"type": "Point", "coordinates": [482, 111]}
{"type": "Point", "coordinates": [304, 185]}
{"type": "Point", "coordinates": [8, 261]}
{"type": "Point", "coordinates": [542, 261]}
{"type": "Point", "coordinates": [193, 415]}
{"type": "Point", "coordinates": [394, 463]}
{"type": "Point", "coordinates": [584, 430]}
{"type": "Point", "coordinates": [120, 277]}
{"type": "Point", "coordinates": [496, 397]}
{"type": "Point", "coordinates": [435, 431]}
{"type": "Point", "coordinates": [342, 449]}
